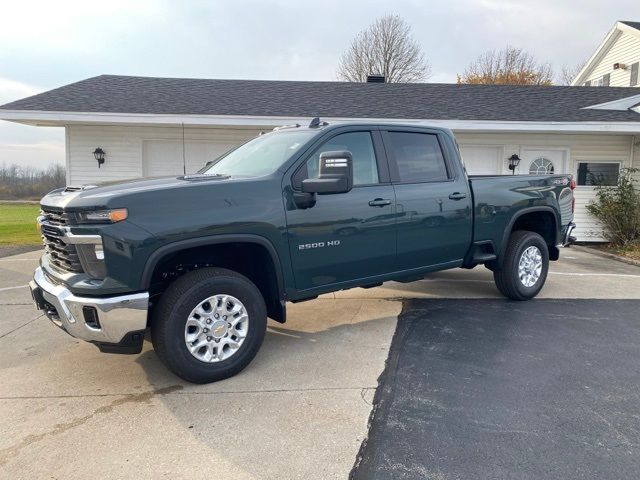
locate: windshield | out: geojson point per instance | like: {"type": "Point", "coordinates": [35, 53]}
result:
{"type": "Point", "coordinates": [261, 156]}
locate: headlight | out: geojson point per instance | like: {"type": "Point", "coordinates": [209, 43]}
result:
{"type": "Point", "coordinates": [102, 216]}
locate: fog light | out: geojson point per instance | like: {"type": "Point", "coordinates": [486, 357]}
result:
{"type": "Point", "coordinates": [91, 317]}
{"type": "Point", "coordinates": [99, 252]}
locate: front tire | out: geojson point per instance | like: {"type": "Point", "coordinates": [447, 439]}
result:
{"type": "Point", "coordinates": [209, 325]}
{"type": "Point", "coordinates": [525, 266]}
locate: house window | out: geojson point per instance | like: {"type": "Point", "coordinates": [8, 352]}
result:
{"type": "Point", "coordinates": [634, 74]}
{"type": "Point", "coordinates": [606, 80]}
{"type": "Point", "coordinates": [541, 166]}
{"type": "Point", "coordinates": [598, 173]}
{"type": "Point", "coordinates": [587, 83]}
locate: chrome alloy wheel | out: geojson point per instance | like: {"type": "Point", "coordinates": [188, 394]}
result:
{"type": "Point", "coordinates": [530, 266]}
{"type": "Point", "coordinates": [216, 328]}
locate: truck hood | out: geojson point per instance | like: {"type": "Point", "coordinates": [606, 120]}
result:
{"type": "Point", "coordinates": [107, 194]}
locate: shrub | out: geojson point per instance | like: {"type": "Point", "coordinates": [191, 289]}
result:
{"type": "Point", "coordinates": [618, 209]}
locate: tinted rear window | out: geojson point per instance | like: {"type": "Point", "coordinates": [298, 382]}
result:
{"type": "Point", "coordinates": [418, 157]}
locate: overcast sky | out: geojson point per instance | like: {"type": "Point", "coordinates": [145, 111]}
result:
{"type": "Point", "coordinates": [46, 44]}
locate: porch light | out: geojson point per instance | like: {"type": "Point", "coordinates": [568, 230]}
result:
{"type": "Point", "coordinates": [99, 154]}
{"type": "Point", "coordinates": [514, 161]}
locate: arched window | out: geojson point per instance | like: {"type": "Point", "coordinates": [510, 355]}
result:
{"type": "Point", "coordinates": [541, 166]}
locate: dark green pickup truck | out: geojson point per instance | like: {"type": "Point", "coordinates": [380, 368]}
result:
{"type": "Point", "coordinates": [202, 260]}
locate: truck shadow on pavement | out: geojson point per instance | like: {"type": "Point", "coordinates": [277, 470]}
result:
{"type": "Point", "coordinates": [498, 389]}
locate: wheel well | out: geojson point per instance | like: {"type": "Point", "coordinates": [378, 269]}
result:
{"type": "Point", "coordinates": [542, 223]}
{"type": "Point", "coordinates": [249, 259]}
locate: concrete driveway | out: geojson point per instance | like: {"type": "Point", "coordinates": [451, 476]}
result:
{"type": "Point", "coordinates": [300, 410]}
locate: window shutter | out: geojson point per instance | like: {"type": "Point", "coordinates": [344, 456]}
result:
{"type": "Point", "coordinates": [587, 83]}
{"type": "Point", "coordinates": [634, 74]}
{"type": "Point", "coordinates": [606, 79]}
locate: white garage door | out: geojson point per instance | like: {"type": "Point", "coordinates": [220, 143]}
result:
{"type": "Point", "coordinates": [165, 157]}
{"type": "Point", "coordinates": [481, 160]}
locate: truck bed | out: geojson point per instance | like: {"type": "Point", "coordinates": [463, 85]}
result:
{"type": "Point", "coordinates": [499, 200]}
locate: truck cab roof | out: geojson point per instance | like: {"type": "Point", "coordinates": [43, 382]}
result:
{"type": "Point", "coordinates": [322, 125]}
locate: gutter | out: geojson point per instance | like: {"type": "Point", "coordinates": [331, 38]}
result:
{"type": "Point", "coordinates": [47, 118]}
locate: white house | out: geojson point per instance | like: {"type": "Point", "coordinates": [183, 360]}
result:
{"type": "Point", "coordinates": [164, 126]}
{"type": "Point", "coordinates": [616, 61]}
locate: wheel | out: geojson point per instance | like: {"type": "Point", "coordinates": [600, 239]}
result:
{"type": "Point", "coordinates": [209, 325]}
{"type": "Point", "coordinates": [525, 266]}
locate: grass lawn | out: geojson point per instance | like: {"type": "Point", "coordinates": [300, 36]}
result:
{"type": "Point", "coordinates": [18, 224]}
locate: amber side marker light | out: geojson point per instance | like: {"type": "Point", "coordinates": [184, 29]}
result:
{"type": "Point", "coordinates": [118, 215]}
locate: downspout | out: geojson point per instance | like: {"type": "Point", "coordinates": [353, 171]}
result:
{"type": "Point", "coordinates": [67, 154]}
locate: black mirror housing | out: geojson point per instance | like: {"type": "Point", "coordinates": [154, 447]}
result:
{"type": "Point", "coordinates": [335, 174]}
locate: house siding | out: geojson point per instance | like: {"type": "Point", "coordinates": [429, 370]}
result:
{"type": "Point", "coordinates": [124, 148]}
{"type": "Point", "coordinates": [625, 49]}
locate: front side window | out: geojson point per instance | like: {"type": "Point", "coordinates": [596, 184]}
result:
{"type": "Point", "coordinates": [360, 144]}
{"type": "Point", "coordinates": [598, 173]}
{"type": "Point", "coordinates": [261, 156]}
{"type": "Point", "coordinates": [418, 157]}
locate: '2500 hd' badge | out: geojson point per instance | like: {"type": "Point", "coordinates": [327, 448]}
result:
{"type": "Point", "coordinates": [309, 246]}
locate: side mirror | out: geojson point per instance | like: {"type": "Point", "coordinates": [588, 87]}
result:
{"type": "Point", "coordinates": [335, 174]}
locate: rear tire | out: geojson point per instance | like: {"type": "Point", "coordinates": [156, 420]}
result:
{"type": "Point", "coordinates": [177, 327]}
{"type": "Point", "coordinates": [525, 266]}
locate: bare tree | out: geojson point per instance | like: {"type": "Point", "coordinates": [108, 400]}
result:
{"type": "Point", "coordinates": [512, 66]}
{"type": "Point", "coordinates": [387, 48]}
{"type": "Point", "coordinates": [568, 73]}
{"type": "Point", "coordinates": [18, 182]}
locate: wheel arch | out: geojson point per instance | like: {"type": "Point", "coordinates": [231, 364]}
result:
{"type": "Point", "coordinates": [271, 286]}
{"type": "Point", "coordinates": [542, 220]}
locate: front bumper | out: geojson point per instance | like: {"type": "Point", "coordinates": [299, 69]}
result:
{"type": "Point", "coordinates": [113, 323]}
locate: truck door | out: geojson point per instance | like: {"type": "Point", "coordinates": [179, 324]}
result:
{"type": "Point", "coordinates": [432, 197]}
{"type": "Point", "coordinates": [348, 236]}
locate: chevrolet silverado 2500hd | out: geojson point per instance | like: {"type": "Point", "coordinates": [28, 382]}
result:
{"type": "Point", "coordinates": [202, 260]}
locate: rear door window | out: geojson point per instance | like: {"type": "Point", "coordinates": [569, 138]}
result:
{"type": "Point", "coordinates": [418, 157]}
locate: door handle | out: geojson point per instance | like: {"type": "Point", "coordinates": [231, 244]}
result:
{"type": "Point", "coordinates": [457, 196]}
{"type": "Point", "coordinates": [379, 202]}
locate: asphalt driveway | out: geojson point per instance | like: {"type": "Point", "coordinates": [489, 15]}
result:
{"type": "Point", "coordinates": [301, 410]}
{"type": "Point", "coordinates": [547, 389]}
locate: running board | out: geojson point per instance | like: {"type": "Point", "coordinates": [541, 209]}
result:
{"type": "Point", "coordinates": [481, 257]}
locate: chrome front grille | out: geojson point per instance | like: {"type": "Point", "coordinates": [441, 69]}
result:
{"type": "Point", "coordinates": [62, 255]}
{"type": "Point", "coordinates": [53, 217]}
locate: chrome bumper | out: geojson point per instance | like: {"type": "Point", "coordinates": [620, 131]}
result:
{"type": "Point", "coordinates": [117, 316]}
{"type": "Point", "coordinates": [567, 239]}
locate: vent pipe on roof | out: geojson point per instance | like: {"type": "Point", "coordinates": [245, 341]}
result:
{"type": "Point", "coordinates": [375, 78]}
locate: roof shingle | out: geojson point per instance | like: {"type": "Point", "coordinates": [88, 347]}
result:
{"type": "Point", "coordinates": [177, 96]}
{"type": "Point", "coordinates": [635, 25]}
